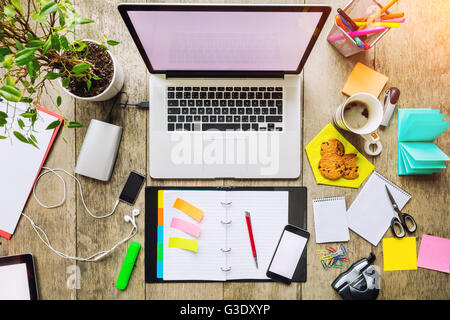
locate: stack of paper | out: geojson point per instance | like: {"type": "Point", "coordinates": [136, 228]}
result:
{"type": "Point", "coordinates": [417, 128]}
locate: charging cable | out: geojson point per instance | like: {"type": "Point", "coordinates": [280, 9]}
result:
{"type": "Point", "coordinates": [43, 236]}
{"type": "Point", "coordinates": [124, 104]}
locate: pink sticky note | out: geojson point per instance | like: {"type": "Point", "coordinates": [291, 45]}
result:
{"type": "Point", "coordinates": [434, 253]}
{"type": "Point", "coordinates": [185, 226]}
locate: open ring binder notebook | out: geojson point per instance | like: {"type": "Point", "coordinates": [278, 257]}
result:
{"type": "Point", "coordinates": [200, 233]}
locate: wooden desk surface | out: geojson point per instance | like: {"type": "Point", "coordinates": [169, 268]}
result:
{"type": "Point", "coordinates": [416, 59]}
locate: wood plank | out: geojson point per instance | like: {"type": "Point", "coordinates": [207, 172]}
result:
{"type": "Point", "coordinates": [98, 279]}
{"type": "Point", "coordinates": [422, 74]}
{"type": "Point", "coordinates": [325, 73]}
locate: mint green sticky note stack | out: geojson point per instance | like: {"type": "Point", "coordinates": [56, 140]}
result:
{"type": "Point", "coordinates": [417, 128]}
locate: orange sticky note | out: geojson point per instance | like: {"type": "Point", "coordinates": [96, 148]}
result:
{"type": "Point", "coordinates": [364, 79]}
{"type": "Point", "coordinates": [189, 209]}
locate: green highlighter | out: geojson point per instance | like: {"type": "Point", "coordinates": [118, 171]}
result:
{"type": "Point", "coordinates": [128, 265]}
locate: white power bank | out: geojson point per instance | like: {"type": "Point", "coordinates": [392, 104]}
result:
{"type": "Point", "coordinates": [99, 150]}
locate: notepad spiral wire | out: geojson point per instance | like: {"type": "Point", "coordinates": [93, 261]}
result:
{"type": "Point", "coordinates": [227, 268]}
{"type": "Point", "coordinates": [392, 185]}
{"type": "Point", "coordinates": [329, 199]}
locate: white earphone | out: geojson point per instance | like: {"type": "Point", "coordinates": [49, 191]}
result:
{"type": "Point", "coordinates": [42, 235]}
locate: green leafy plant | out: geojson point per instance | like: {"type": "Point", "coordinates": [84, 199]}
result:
{"type": "Point", "coordinates": [35, 48]}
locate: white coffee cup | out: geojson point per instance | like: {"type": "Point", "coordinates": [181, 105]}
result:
{"type": "Point", "coordinates": [367, 130]}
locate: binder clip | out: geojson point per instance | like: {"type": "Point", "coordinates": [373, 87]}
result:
{"type": "Point", "coordinates": [360, 282]}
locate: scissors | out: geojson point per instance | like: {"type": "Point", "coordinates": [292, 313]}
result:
{"type": "Point", "coordinates": [401, 221]}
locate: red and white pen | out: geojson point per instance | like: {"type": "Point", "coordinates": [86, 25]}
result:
{"type": "Point", "coordinates": [250, 234]}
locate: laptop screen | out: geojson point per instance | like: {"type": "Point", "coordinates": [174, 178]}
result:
{"type": "Point", "coordinates": [204, 40]}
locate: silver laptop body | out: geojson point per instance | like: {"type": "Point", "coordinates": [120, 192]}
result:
{"type": "Point", "coordinates": [225, 86]}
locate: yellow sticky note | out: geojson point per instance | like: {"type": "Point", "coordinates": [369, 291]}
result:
{"type": "Point", "coordinates": [182, 243]}
{"type": "Point", "coordinates": [365, 167]}
{"type": "Point", "coordinates": [188, 208]}
{"type": "Point", "coordinates": [364, 79]}
{"type": "Point", "coordinates": [399, 254]}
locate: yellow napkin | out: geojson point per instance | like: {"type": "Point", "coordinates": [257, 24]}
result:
{"type": "Point", "coordinates": [313, 153]}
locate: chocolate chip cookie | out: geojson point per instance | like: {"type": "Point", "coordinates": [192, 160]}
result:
{"type": "Point", "coordinates": [350, 167]}
{"type": "Point", "coordinates": [332, 167]}
{"type": "Point", "coordinates": [332, 147]}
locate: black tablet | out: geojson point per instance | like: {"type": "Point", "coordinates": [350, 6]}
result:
{"type": "Point", "coordinates": [18, 278]}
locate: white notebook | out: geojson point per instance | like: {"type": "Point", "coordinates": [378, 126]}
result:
{"type": "Point", "coordinates": [371, 213]}
{"type": "Point", "coordinates": [330, 220]}
{"type": "Point", "coordinates": [20, 164]}
{"type": "Point", "coordinates": [269, 215]}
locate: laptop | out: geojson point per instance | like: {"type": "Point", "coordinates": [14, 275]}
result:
{"type": "Point", "coordinates": [225, 88]}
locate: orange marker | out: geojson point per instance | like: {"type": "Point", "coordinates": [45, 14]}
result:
{"type": "Point", "coordinates": [393, 16]}
{"type": "Point", "coordinates": [379, 13]}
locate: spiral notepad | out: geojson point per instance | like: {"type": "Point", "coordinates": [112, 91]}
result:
{"type": "Point", "coordinates": [330, 220]}
{"type": "Point", "coordinates": [371, 213]}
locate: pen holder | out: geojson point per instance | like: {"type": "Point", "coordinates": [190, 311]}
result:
{"type": "Point", "coordinates": [340, 39]}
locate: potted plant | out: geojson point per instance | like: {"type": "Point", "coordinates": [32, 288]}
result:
{"type": "Point", "coordinates": [38, 43]}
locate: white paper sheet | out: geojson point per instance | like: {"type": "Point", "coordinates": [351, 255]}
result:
{"type": "Point", "coordinates": [371, 213]}
{"type": "Point", "coordinates": [269, 215]}
{"type": "Point", "coordinates": [330, 220]}
{"type": "Point", "coordinates": [19, 165]}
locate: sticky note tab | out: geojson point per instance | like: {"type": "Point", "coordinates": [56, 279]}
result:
{"type": "Point", "coordinates": [189, 209]}
{"type": "Point", "coordinates": [187, 227]}
{"type": "Point", "coordinates": [434, 253]}
{"type": "Point", "coordinates": [364, 79]}
{"type": "Point", "coordinates": [182, 243]}
{"type": "Point", "coordinates": [399, 254]}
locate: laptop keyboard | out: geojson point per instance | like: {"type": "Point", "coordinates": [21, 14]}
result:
{"type": "Point", "coordinates": [225, 108]}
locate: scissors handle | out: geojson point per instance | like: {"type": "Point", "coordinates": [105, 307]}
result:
{"type": "Point", "coordinates": [408, 222]}
{"type": "Point", "coordinates": [397, 228]}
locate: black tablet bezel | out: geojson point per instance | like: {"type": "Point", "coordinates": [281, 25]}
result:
{"type": "Point", "coordinates": [29, 261]}
{"type": "Point", "coordinates": [289, 228]}
{"type": "Point", "coordinates": [124, 8]}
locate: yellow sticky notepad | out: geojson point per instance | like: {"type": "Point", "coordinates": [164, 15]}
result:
{"type": "Point", "coordinates": [399, 254]}
{"type": "Point", "coordinates": [182, 243]}
{"type": "Point", "coordinates": [313, 153]}
{"type": "Point", "coordinates": [189, 209]}
{"type": "Point", "coordinates": [364, 79]}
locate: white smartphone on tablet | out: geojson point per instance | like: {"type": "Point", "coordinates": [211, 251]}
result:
{"type": "Point", "coordinates": [287, 254]}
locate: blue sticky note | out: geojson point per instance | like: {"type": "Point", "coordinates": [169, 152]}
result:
{"type": "Point", "coordinates": [159, 269]}
{"type": "Point", "coordinates": [424, 151]}
{"type": "Point", "coordinates": [160, 232]}
{"type": "Point", "coordinates": [409, 170]}
{"type": "Point", "coordinates": [421, 124]}
{"type": "Point", "coordinates": [414, 164]}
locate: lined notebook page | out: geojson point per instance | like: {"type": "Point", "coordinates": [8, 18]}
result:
{"type": "Point", "coordinates": [180, 264]}
{"type": "Point", "coordinates": [269, 215]}
{"type": "Point", "coordinates": [371, 213]}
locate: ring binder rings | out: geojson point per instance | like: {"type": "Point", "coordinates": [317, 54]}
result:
{"type": "Point", "coordinates": [226, 222]}
{"type": "Point", "coordinates": [175, 265]}
{"type": "Point", "coordinates": [225, 269]}
{"type": "Point", "coordinates": [225, 250]}
{"type": "Point", "coordinates": [226, 204]}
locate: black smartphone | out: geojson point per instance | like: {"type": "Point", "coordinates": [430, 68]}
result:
{"type": "Point", "coordinates": [287, 254]}
{"type": "Point", "coordinates": [132, 187]}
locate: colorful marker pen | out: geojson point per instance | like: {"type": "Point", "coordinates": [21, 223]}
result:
{"type": "Point", "coordinates": [128, 265]}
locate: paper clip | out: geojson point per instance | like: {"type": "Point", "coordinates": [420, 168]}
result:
{"type": "Point", "coordinates": [331, 249]}
{"type": "Point", "coordinates": [344, 251]}
{"type": "Point", "coordinates": [324, 265]}
{"type": "Point", "coordinates": [321, 251]}
{"type": "Point", "coordinates": [328, 257]}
